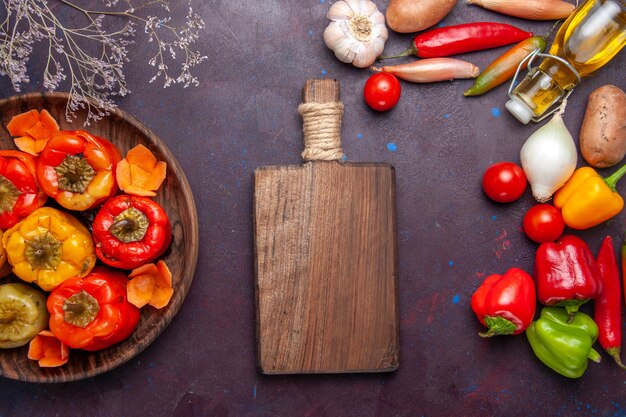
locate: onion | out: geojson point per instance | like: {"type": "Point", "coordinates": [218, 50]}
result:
{"type": "Point", "coordinates": [432, 69]}
{"type": "Point", "coordinates": [549, 158]}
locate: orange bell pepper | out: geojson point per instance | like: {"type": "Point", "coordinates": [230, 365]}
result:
{"type": "Point", "coordinates": [587, 199]}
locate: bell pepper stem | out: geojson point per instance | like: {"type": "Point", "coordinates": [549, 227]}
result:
{"type": "Point", "coordinates": [498, 326]}
{"type": "Point", "coordinates": [612, 180]}
{"type": "Point", "coordinates": [594, 355]}
{"type": "Point", "coordinates": [614, 352]}
{"type": "Point", "coordinates": [412, 50]}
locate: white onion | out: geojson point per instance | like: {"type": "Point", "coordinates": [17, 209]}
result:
{"type": "Point", "coordinates": [549, 158]}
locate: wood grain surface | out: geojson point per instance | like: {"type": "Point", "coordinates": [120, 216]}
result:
{"type": "Point", "coordinates": [176, 198]}
{"type": "Point", "coordinates": [326, 267]}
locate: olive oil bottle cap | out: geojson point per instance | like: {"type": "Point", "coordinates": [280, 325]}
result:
{"type": "Point", "coordinates": [519, 109]}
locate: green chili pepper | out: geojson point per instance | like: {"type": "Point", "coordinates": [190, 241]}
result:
{"type": "Point", "coordinates": [503, 68]}
{"type": "Point", "coordinates": [562, 346]}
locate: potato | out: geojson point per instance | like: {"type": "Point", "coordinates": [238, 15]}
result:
{"type": "Point", "coordinates": [603, 133]}
{"type": "Point", "coordinates": [406, 16]}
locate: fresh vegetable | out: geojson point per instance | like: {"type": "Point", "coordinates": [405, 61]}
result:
{"type": "Point", "coordinates": [528, 9]}
{"type": "Point", "coordinates": [504, 182]}
{"type": "Point", "coordinates": [150, 284]}
{"type": "Point", "coordinates": [48, 247]}
{"type": "Point", "coordinates": [140, 173]}
{"type": "Point", "coordinates": [130, 231]}
{"type": "Point", "coordinates": [505, 66]}
{"type": "Point", "coordinates": [607, 311]}
{"type": "Point", "coordinates": [356, 33]}
{"type": "Point", "coordinates": [408, 16]}
{"type": "Point", "coordinates": [564, 343]}
{"type": "Point", "coordinates": [466, 37]}
{"type": "Point", "coordinates": [77, 169]}
{"type": "Point", "coordinates": [49, 351]}
{"type": "Point", "coordinates": [603, 133]}
{"type": "Point", "coordinates": [505, 303]}
{"type": "Point", "coordinates": [382, 91]}
{"type": "Point", "coordinates": [23, 314]}
{"type": "Point", "coordinates": [32, 130]}
{"type": "Point", "coordinates": [543, 223]}
{"type": "Point", "coordinates": [432, 69]}
{"type": "Point", "coordinates": [549, 158]}
{"type": "Point", "coordinates": [587, 199]}
{"type": "Point", "coordinates": [92, 313]}
{"type": "Point", "coordinates": [566, 273]}
{"type": "Point", "coordinates": [20, 194]}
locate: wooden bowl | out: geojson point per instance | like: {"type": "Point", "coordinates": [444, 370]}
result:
{"type": "Point", "coordinates": [174, 195]}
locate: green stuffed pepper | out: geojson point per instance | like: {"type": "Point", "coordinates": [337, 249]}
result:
{"type": "Point", "coordinates": [564, 346]}
{"type": "Point", "coordinates": [23, 314]}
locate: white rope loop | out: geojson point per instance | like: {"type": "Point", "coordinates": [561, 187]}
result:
{"type": "Point", "coordinates": [322, 131]}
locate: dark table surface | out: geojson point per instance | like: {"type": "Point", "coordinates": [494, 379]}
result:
{"type": "Point", "coordinates": [450, 236]}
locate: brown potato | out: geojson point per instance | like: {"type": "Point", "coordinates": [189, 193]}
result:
{"type": "Point", "coordinates": [407, 16]}
{"type": "Point", "coordinates": [603, 133]}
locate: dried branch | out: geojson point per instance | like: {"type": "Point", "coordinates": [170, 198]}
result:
{"type": "Point", "coordinates": [95, 78]}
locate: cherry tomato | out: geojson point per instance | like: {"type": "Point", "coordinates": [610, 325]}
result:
{"type": "Point", "coordinates": [543, 223]}
{"type": "Point", "coordinates": [382, 91]}
{"type": "Point", "coordinates": [504, 182]}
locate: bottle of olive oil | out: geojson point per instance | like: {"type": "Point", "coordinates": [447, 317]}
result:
{"type": "Point", "coordinates": [592, 35]}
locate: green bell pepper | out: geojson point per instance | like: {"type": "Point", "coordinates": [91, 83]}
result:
{"type": "Point", "coordinates": [561, 344]}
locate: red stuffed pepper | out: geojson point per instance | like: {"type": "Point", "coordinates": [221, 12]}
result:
{"type": "Point", "coordinates": [505, 303]}
{"type": "Point", "coordinates": [77, 169]}
{"type": "Point", "coordinates": [20, 194]}
{"type": "Point", "coordinates": [566, 273]}
{"type": "Point", "coordinates": [130, 231]}
{"type": "Point", "coordinates": [92, 313]}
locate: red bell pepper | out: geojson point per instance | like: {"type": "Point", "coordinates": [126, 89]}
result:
{"type": "Point", "coordinates": [566, 273]}
{"type": "Point", "coordinates": [20, 194]}
{"type": "Point", "coordinates": [130, 231]}
{"type": "Point", "coordinates": [505, 303]}
{"type": "Point", "coordinates": [77, 169]}
{"type": "Point", "coordinates": [607, 311]}
{"type": "Point", "coordinates": [92, 313]}
{"type": "Point", "coordinates": [459, 39]}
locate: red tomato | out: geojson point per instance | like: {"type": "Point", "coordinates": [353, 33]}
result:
{"type": "Point", "coordinates": [504, 182]}
{"type": "Point", "coordinates": [382, 91]}
{"type": "Point", "coordinates": [543, 223]}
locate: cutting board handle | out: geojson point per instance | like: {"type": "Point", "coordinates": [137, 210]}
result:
{"type": "Point", "coordinates": [321, 113]}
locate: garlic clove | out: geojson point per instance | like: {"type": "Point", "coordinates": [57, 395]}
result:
{"type": "Point", "coordinates": [333, 34]}
{"type": "Point", "coordinates": [346, 50]}
{"type": "Point", "coordinates": [355, 5]}
{"type": "Point", "coordinates": [369, 8]}
{"type": "Point", "coordinates": [364, 57]}
{"type": "Point", "coordinates": [340, 11]}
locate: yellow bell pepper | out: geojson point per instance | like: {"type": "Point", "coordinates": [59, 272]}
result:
{"type": "Point", "coordinates": [48, 247]}
{"type": "Point", "coordinates": [587, 199]}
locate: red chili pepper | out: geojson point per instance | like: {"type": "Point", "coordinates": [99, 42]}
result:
{"type": "Point", "coordinates": [566, 273]}
{"type": "Point", "coordinates": [607, 311]}
{"type": "Point", "coordinates": [458, 39]}
{"type": "Point", "coordinates": [20, 194]}
{"type": "Point", "coordinates": [92, 313]}
{"type": "Point", "coordinates": [130, 231]}
{"type": "Point", "coordinates": [505, 303]}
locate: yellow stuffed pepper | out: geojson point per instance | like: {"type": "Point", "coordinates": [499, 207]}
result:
{"type": "Point", "coordinates": [48, 247]}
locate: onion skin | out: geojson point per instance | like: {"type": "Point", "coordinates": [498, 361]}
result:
{"type": "Point", "coordinates": [528, 9]}
{"type": "Point", "coordinates": [432, 70]}
{"type": "Point", "coordinates": [548, 158]}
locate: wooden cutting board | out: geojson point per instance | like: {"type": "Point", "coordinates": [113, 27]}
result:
{"type": "Point", "coordinates": [326, 264]}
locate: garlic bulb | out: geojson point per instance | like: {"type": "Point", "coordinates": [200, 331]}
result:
{"type": "Point", "coordinates": [549, 158]}
{"type": "Point", "coordinates": [357, 32]}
